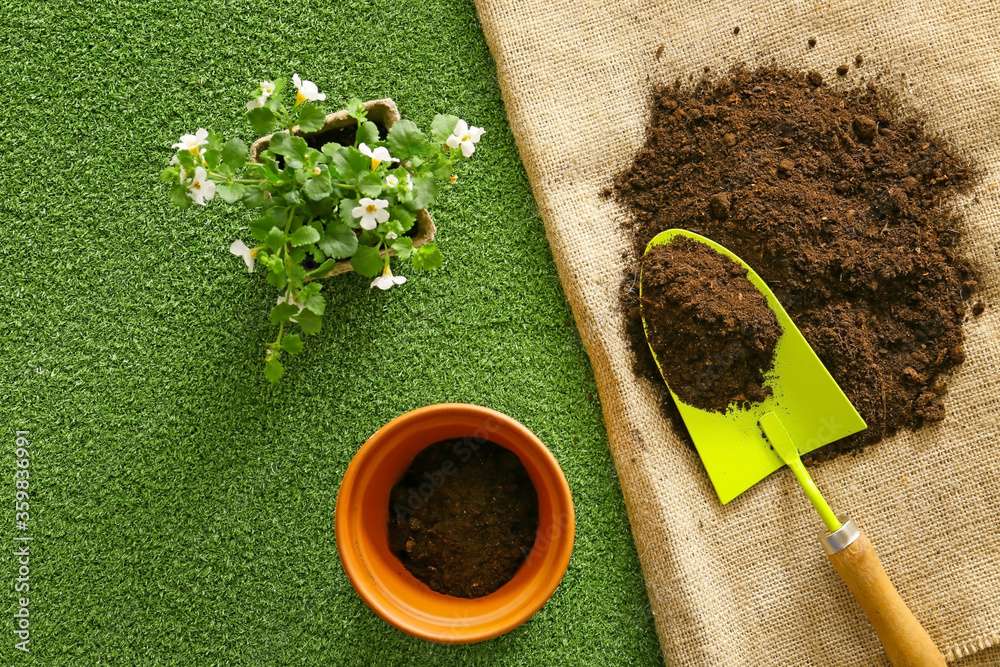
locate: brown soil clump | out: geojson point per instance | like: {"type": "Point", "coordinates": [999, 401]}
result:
{"type": "Point", "coordinates": [464, 517]}
{"type": "Point", "coordinates": [841, 204]}
{"type": "Point", "coordinates": [710, 327]}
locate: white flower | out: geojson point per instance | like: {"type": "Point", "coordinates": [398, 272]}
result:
{"type": "Point", "coordinates": [240, 249]}
{"type": "Point", "coordinates": [307, 91]}
{"type": "Point", "coordinates": [287, 298]}
{"type": "Point", "coordinates": [266, 90]}
{"type": "Point", "coordinates": [191, 142]}
{"type": "Point", "coordinates": [391, 235]}
{"type": "Point", "coordinates": [378, 156]}
{"type": "Point", "coordinates": [391, 181]}
{"type": "Point", "coordinates": [466, 137]}
{"type": "Point", "coordinates": [387, 280]}
{"type": "Point", "coordinates": [371, 211]}
{"type": "Point", "coordinates": [408, 184]}
{"type": "Point", "coordinates": [201, 190]}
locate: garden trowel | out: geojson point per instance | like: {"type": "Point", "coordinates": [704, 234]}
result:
{"type": "Point", "coordinates": [806, 410]}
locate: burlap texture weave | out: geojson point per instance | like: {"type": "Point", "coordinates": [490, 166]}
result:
{"type": "Point", "coordinates": [748, 584]}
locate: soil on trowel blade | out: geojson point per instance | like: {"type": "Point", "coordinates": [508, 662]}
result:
{"type": "Point", "coordinates": [711, 329]}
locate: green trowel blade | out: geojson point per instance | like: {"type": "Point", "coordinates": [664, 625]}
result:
{"type": "Point", "coordinates": [810, 405]}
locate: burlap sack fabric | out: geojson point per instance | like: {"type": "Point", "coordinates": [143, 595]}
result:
{"type": "Point", "coordinates": [748, 584]}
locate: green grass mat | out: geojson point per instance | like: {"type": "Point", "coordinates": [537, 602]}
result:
{"type": "Point", "coordinates": [182, 508]}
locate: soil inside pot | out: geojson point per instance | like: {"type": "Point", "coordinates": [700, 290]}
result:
{"type": "Point", "coordinates": [711, 329]}
{"type": "Point", "coordinates": [464, 517]}
{"type": "Point", "coordinates": [841, 203]}
{"type": "Point", "coordinates": [344, 136]}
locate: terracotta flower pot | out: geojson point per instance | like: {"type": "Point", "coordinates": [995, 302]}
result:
{"type": "Point", "coordinates": [362, 527]}
{"type": "Point", "coordinates": [383, 113]}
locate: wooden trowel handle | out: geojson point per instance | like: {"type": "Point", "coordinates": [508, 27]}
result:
{"type": "Point", "coordinates": [905, 641]}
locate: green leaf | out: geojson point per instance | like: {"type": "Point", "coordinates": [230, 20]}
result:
{"type": "Point", "coordinates": [273, 370]}
{"type": "Point", "coordinates": [283, 312]}
{"type": "Point", "coordinates": [296, 274]}
{"type": "Point", "coordinates": [296, 255]}
{"type": "Point", "coordinates": [179, 196]}
{"type": "Point", "coordinates": [318, 187]}
{"type": "Point", "coordinates": [323, 269]}
{"type": "Point", "coordinates": [213, 159]}
{"type": "Point", "coordinates": [311, 118]}
{"type": "Point", "coordinates": [309, 321]}
{"type": "Point", "coordinates": [367, 261]}
{"type": "Point", "coordinates": [367, 134]}
{"type": "Point", "coordinates": [348, 161]}
{"type": "Point", "coordinates": [214, 142]}
{"type": "Point", "coordinates": [316, 303]}
{"type": "Point", "coordinates": [234, 154]}
{"type": "Point", "coordinates": [262, 120]}
{"type": "Point", "coordinates": [293, 148]}
{"type": "Point", "coordinates": [427, 257]}
{"type": "Point", "coordinates": [278, 215]}
{"type": "Point", "coordinates": [186, 160]}
{"type": "Point", "coordinates": [405, 216]}
{"type": "Point", "coordinates": [425, 191]}
{"type": "Point", "coordinates": [339, 241]}
{"type": "Point", "coordinates": [303, 236]}
{"type": "Point", "coordinates": [394, 226]}
{"type": "Point", "coordinates": [260, 228]}
{"type": "Point", "coordinates": [356, 109]}
{"type": "Point", "coordinates": [275, 239]}
{"type": "Point", "coordinates": [276, 276]}
{"type": "Point", "coordinates": [255, 196]}
{"type": "Point", "coordinates": [442, 168]}
{"type": "Point", "coordinates": [291, 343]}
{"type": "Point", "coordinates": [346, 215]}
{"type": "Point", "coordinates": [254, 170]}
{"type": "Point", "coordinates": [369, 237]}
{"type": "Point", "coordinates": [405, 139]}
{"type": "Point", "coordinates": [170, 175]}
{"type": "Point", "coordinates": [370, 185]}
{"type": "Point", "coordinates": [230, 192]}
{"type": "Point", "coordinates": [271, 170]}
{"type": "Point", "coordinates": [442, 127]}
{"type": "Point", "coordinates": [403, 247]}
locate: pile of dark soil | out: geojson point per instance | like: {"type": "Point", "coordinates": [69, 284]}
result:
{"type": "Point", "coordinates": [840, 203]}
{"type": "Point", "coordinates": [710, 327]}
{"type": "Point", "coordinates": [464, 517]}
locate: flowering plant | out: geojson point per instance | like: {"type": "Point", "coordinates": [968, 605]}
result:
{"type": "Point", "coordinates": [320, 206]}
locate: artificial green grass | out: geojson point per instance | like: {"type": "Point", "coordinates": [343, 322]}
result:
{"type": "Point", "coordinates": [182, 508]}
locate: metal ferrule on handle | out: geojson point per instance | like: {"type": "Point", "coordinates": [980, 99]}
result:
{"type": "Point", "coordinates": [840, 539]}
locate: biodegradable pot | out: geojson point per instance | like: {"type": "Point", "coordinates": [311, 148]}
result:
{"type": "Point", "coordinates": [380, 112]}
{"type": "Point", "coordinates": [362, 527]}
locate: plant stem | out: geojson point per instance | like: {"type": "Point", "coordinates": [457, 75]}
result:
{"type": "Point", "coordinates": [216, 174]}
{"type": "Point", "coordinates": [277, 343]}
{"type": "Point", "coordinates": [288, 289]}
